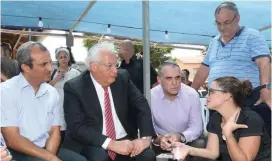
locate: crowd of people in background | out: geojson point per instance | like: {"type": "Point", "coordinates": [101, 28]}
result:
{"type": "Point", "coordinates": [101, 114]}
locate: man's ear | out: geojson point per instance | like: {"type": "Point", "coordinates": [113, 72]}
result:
{"type": "Point", "coordinates": [93, 66]}
{"type": "Point", "coordinates": [159, 79]}
{"type": "Point", "coordinates": [25, 68]}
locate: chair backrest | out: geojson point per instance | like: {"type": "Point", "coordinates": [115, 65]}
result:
{"type": "Point", "coordinates": [205, 113]}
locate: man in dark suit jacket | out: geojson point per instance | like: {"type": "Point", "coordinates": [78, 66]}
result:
{"type": "Point", "coordinates": [98, 105]}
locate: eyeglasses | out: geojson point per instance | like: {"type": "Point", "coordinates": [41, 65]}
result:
{"type": "Point", "coordinates": [226, 23]}
{"type": "Point", "coordinates": [211, 91]}
{"type": "Point", "coordinates": [110, 66]}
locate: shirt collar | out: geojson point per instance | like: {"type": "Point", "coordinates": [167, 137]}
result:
{"type": "Point", "coordinates": [96, 84]}
{"type": "Point", "coordinates": [237, 34]}
{"type": "Point", "coordinates": [23, 83]}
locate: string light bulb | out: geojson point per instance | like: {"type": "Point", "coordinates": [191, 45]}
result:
{"type": "Point", "coordinates": [109, 29]}
{"type": "Point", "coordinates": [40, 23]}
{"type": "Point", "coordinates": [166, 36]}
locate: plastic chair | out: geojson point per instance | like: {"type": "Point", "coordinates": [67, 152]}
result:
{"type": "Point", "coordinates": [205, 115]}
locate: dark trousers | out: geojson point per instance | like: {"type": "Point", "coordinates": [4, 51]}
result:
{"type": "Point", "coordinates": [62, 135]}
{"type": "Point", "coordinates": [262, 109]}
{"type": "Point", "coordinates": [198, 143]}
{"type": "Point", "coordinates": [96, 153]}
{"type": "Point", "coordinates": [63, 154]}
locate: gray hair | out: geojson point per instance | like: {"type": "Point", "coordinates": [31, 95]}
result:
{"type": "Point", "coordinates": [166, 63]}
{"type": "Point", "coordinates": [95, 51]}
{"type": "Point", "coordinates": [23, 55]}
{"type": "Point", "coordinates": [61, 49]}
{"type": "Point", "coordinates": [227, 5]}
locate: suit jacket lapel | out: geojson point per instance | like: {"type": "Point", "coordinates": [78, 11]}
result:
{"type": "Point", "coordinates": [91, 96]}
{"type": "Point", "coordinates": [117, 98]}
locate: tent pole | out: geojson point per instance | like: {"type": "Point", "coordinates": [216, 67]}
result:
{"type": "Point", "coordinates": [83, 15]}
{"type": "Point", "coordinates": [146, 49]}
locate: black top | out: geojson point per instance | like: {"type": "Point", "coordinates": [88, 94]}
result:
{"type": "Point", "coordinates": [135, 69]}
{"type": "Point", "coordinates": [255, 128]}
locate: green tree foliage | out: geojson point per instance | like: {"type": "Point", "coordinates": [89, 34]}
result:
{"type": "Point", "coordinates": [158, 54]}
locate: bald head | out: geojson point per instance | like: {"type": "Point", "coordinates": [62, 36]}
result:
{"type": "Point", "coordinates": [126, 49]}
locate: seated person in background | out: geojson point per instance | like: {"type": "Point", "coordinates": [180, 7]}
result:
{"type": "Point", "coordinates": [30, 109]}
{"type": "Point", "coordinates": [5, 50]}
{"type": "Point", "coordinates": [176, 110]}
{"type": "Point", "coordinates": [235, 133]}
{"type": "Point", "coordinates": [59, 77]}
{"type": "Point", "coordinates": [96, 107]}
{"type": "Point", "coordinates": [9, 68]}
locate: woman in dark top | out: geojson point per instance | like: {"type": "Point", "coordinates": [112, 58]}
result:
{"type": "Point", "coordinates": [235, 133]}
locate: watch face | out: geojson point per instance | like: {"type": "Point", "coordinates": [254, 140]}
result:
{"type": "Point", "coordinates": [268, 85]}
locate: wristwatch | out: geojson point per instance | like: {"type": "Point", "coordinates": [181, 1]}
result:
{"type": "Point", "coordinates": [266, 85]}
{"type": "Point", "coordinates": [182, 138]}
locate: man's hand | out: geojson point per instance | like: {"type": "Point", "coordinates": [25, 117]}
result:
{"type": "Point", "coordinates": [174, 137]}
{"type": "Point", "coordinates": [265, 97]}
{"type": "Point", "coordinates": [123, 147]}
{"type": "Point", "coordinates": [139, 146]}
{"type": "Point", "coordinates": [165, 144]}
{"type": "Point", "coordinates": [4, 154]}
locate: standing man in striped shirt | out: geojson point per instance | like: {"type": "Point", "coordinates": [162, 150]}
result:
{"type": "Point", "coordinates": [238, 51]}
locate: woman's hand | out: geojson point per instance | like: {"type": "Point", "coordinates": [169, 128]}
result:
{"type": "Point", "coordinates": [180, 151]}
{"type": "Point", "coordinates": [230, 125]}
{"type": "Point", "coordinates": [60, 75]}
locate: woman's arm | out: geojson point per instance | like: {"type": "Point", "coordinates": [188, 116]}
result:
{"type": "Point", "coordinates": [211, 151]}
{"type": "Point", "coordinates": [245, 150]}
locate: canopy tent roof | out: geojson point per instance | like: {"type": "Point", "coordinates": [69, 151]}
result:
{"type": "Point", "coordinates": [186, 21]}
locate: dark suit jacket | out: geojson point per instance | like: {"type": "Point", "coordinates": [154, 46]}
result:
{"type": "Point", "coordinates": [83, 113]}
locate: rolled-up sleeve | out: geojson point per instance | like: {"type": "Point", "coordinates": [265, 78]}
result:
{"type": "Point", "coordinates": [195, 126]}
{"type": "Point", "coordinates": [9, 110]}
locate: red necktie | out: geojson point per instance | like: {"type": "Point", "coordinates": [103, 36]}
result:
{"type": "Point", "coordinates": [110, 130]}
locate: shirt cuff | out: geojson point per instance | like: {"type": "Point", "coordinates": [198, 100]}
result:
{"type": "Point", "coordinates": [106, 143]}
{"type": "Point", "coordinates": [186, 136]}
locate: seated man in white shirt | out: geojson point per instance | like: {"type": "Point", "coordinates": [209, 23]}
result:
{"type": "Point", "coordinates": [30, 118]}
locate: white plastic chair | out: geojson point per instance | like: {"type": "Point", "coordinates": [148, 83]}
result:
{"type": "Point", "coordinates": [205, 115]}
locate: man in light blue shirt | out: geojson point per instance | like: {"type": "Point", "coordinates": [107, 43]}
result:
{"type": "Point", "coordinates": [30, 118]}
{"type": "Point", "coordinates": [238, 51]}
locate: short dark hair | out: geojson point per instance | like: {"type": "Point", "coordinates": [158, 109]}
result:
{"type": "Point", "coordinates": [227, 5]}
{"type": "Point", "coordinates": [187, 73]}
{"type": "Point", "coordinates": [9, 67]}
{"type": "Point", "coordinates": [166, 63]}
{"type": "Point", "coordinates": [23, 55]}
{"type": "Point", "coordinates": [238, 89]}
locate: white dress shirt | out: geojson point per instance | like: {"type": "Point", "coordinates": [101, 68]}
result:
{"type": "Point", "coordinates": [119, 129]}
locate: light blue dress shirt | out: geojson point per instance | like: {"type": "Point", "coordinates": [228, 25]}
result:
{"type": "Point", "coordinates": [34, 114]}
{"type": "Point", "coordinates": [182, 115]}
